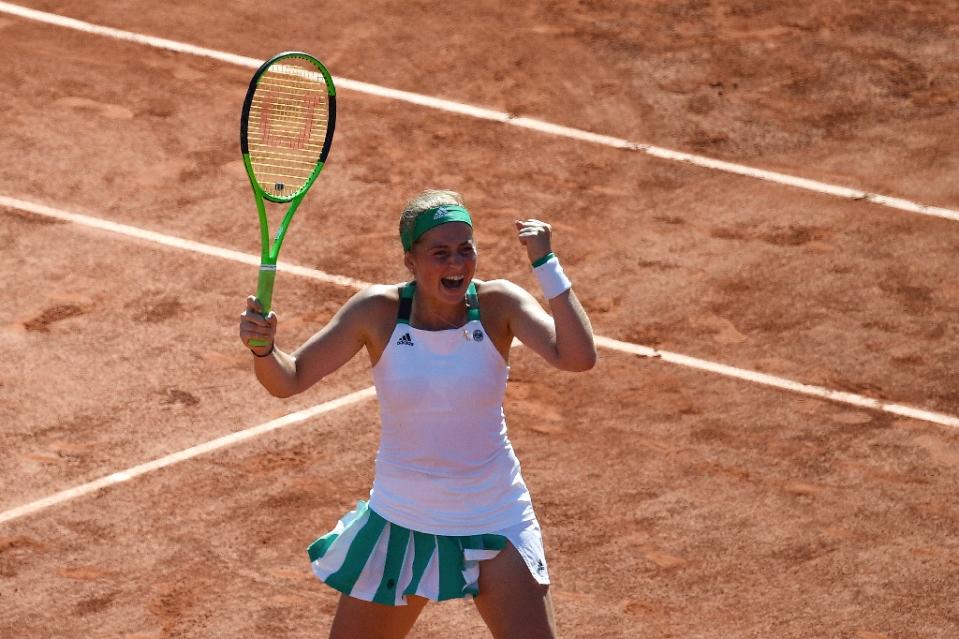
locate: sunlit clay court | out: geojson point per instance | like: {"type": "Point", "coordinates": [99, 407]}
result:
{"type": "Point", "coordinates": [755, 204]}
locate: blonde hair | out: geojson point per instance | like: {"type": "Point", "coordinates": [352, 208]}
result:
{"type": "Point", "coordinates": [428, 199]}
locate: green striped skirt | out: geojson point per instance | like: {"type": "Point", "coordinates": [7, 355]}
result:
{"type": "Point", "coordinates": [367, 557]}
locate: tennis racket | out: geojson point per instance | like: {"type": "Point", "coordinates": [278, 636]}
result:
{"type": "Point", "coordinates": [285, 135]}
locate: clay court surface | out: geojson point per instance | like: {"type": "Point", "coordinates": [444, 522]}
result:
{"type": "Point", "coordinates": [675, 502]}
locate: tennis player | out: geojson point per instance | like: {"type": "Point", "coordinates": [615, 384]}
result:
{"type": "Point", "coordinates": [449, 515]}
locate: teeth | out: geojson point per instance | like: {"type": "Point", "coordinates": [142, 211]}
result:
{"type": "Point", "coordinates": [453, 282]}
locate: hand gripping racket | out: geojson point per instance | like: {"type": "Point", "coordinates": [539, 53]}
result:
{"type": "Point", "coordinates": [285, 135]}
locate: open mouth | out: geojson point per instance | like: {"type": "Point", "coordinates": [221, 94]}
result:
{"type": "Point", "coordinates": [452, 283]}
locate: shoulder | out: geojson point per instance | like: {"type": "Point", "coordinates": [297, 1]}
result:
{"type": "Point", "coordinates": [377, 294]}
{"type": "Point", "coordinates": [500, 290]}
{"type": "Point", "coordinates": [501, 296]}
{"type": "Point", "coordinates": [374, 301]}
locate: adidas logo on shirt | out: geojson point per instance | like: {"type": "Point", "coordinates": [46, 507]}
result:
{"type": "Point", "coordinates": [406, 340]}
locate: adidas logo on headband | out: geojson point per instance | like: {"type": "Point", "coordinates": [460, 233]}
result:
{"type": "Point", "coordinates": [434, 217]}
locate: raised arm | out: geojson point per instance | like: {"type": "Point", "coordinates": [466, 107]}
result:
{"type": "Point", "coordinates": [284, 374]}
{"type": "Point", "coordinates": [565, 340]}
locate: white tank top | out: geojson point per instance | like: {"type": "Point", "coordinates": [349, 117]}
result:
{"type": "Point", "coordinates": [445, 465]}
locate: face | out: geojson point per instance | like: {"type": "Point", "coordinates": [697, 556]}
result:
{"type": "Point", "coordinates": [443, 261]}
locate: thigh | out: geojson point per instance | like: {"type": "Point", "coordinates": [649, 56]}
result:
{"type": "Point", "coordinates": [358, 618]}
{"type": "Point", "coordinates": [511, 602]}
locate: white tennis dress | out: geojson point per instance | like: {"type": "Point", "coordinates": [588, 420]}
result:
{"type": "Point", "coordinates": [448, 490]}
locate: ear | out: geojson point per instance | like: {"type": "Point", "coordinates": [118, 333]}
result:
{"type": "Point", "coordinates": [408, 261]}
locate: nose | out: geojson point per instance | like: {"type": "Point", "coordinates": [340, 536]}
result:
{"type": "Point", "coordinates": [456, 260]}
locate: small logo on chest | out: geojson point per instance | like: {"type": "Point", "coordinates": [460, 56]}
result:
{"type": "Point", "coordinates": [406, 340]}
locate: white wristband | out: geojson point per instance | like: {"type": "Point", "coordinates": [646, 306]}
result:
{"type": "Point", "coordinates": [551, 278]}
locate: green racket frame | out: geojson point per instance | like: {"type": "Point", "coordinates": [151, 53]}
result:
{"type": "Point", "coordinates": [270, 250]}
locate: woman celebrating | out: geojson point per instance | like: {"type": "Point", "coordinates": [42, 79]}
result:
{"type": "Point", "coordinates": [449, 515]}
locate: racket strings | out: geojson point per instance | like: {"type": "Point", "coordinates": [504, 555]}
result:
{"type": "Point", "coordinates": [288, 121]}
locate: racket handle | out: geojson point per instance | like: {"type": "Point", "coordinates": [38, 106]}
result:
{"type": "Point", "coordinates": [264, 293]}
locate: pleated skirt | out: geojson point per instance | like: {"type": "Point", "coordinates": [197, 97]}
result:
{"type": "Point", "coordinates": [367, 557]}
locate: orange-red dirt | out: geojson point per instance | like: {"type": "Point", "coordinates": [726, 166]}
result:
{"type": "Point", "coordinates": [675, 503]}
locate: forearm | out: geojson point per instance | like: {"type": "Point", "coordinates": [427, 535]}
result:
{"type": "Point", "coordinates": [575, 349]}
{"type": "Point", "coordinates": [566, 340]}
{"type": "Point", "coordinates": [277, 373]}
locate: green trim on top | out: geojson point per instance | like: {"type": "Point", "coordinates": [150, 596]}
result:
{"type": "Point", "coordinates": [472, 304]}
{"type": "Point", "coordinates": [405, 308]}
{"type": "Point", "coordinates": [544, 259]}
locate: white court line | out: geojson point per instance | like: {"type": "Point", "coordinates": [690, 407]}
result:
{"type": "Point", "coordinates": [175, 242]}
{"type": "Point", "coordinates": [604, 342]}
{"type": "Point", "coordinates": [499, 116]}
{"type": "Point", "coordinates": [183, 455]}
{"type": "Point", "coordinates": [779, 382]}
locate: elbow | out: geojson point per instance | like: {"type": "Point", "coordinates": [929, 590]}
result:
{"type": "Point", "coordinates": [588, 363]}
{"type": "Point", "coordinates": [282, 391]}
{"type": "Point", "coordinates": [582, 364]}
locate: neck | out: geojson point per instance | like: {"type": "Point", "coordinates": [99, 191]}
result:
{"type": "Point", "coordinates": [436, 317]}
